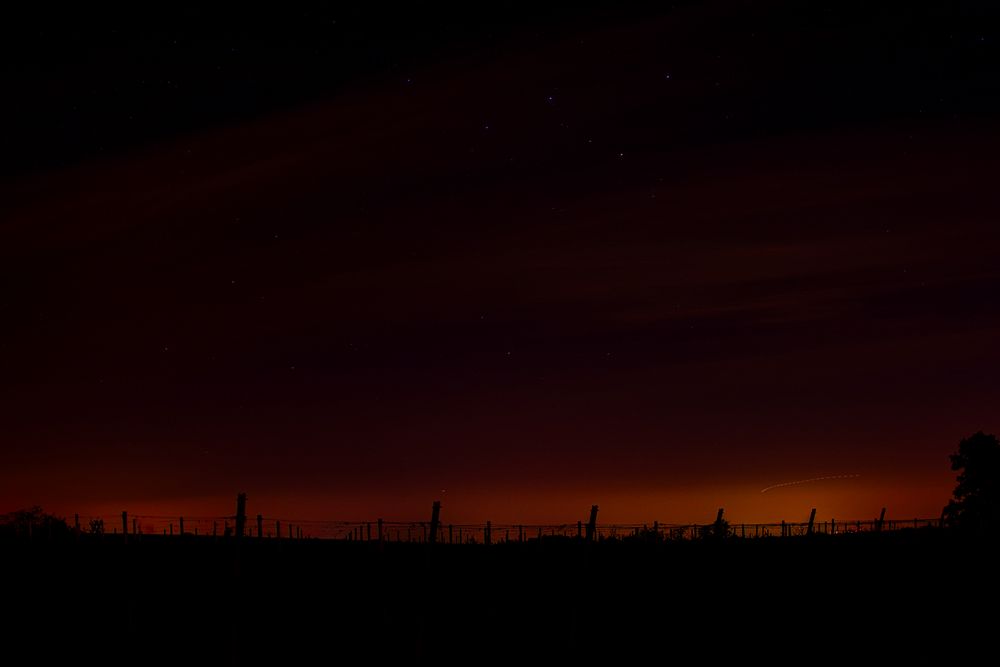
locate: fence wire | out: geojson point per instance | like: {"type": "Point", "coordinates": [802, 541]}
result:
{"type": "Point", "coordinates": [269, 527]}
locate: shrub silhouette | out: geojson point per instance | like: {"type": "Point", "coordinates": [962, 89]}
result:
{"type": "Point", "coordinates": [715, 530]}
{"type": "Point", "coordinates": [976, 506]}
{"type": "Point", "coordinates": [33, 520]}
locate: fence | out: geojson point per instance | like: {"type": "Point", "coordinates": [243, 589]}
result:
{"type": "Point", "coordinates": [268, 527]}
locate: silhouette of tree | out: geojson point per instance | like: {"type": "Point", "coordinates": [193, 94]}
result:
{"type": "Point", "coordinates": [976, 505]}
{"type": "Point", "coordinates": [33, 519]}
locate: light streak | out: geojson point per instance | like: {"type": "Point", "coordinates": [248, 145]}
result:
{"type": "Point", "coordinates": [806, 481]}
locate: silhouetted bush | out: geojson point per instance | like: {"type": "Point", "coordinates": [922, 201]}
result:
{"type": "Point", "coordinates": [976, 506]}
{"type": "Point", "coordinates": [33, 522]}
{"type": "Point", "coordinates": [715, 531]}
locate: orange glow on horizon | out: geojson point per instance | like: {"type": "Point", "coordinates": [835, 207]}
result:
{"type": "Point", "coordinates": [842, 499]}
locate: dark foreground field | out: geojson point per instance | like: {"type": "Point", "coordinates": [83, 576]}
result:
{"type": "Point", "coordinates": [203, 601]}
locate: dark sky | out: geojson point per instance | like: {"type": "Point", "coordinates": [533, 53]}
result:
{"type": "Point", "coordinates": [352, 261]}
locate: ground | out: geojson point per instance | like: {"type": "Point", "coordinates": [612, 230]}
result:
{"type": "Point", "coordinates": [211, 601]}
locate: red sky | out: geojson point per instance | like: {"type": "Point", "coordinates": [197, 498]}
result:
{"type": "Point", "coordinates": [593, 269]}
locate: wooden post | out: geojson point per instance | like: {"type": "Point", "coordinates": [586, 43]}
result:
{"type": "Point", "coordinates": [592, 524]}
{"type": "Point", "coordinates": [368, 527]}
{"type": "Point", "coordinates": [125, 526]}
{"type": "Point", "coordinates": [743, 530]}
{"type": "Point", "coordinates": [719, 528]}
{"type": "Point", "coordinates": [215, 529]}
{"type": "Point", "coordinates": [451, 535]}
{"type": "Point", "coordinates": [291, 535]}
{"type": "Point", "coordinates": [135, 526]}
{"type": "Point", "coordinates": [182, 526]}
{"type": "Point", "coordinates": [812, 520]}
{"type": "Point", "coordinates": [520, 533]}
{"type": "Point", "coordinates": [435, 518]}
{"type": "Point", "coordinates": [260, 526]}
{"type": "Point", "coordinates": [380, 531]}
{"type": "Point", "coordinates": [656, 531]}
{"type": "Point", "coordinates": [488, 535]}
{"type": "Point", "coordinates": [277, 530]}
{"type": "Point", "coordinates": [833, 526]}
{"type": "Point", "coordinates": [881, 520]}
{"type": "Point", "coordinates": [241, 514]}
{"type": "Point", "coordinates": [579, 529]}
{"type": "Point", "coordinates": [783, 528]}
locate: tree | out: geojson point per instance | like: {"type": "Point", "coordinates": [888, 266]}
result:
{"type": "Point", "coordinates": [33, 520]}
{"type": "Point", "coordinates": [976, 505]}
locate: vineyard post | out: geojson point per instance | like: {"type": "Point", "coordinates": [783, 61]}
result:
{"type": "Point", "coordinates": [592, 524]}
{"type": "Point", "coordinates": [241, 514]}
{"type": "Point", "coordinates": [435, 517]}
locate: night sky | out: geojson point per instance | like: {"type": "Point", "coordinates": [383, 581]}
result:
{"type": "Point", "coordinates": [351, 261]}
